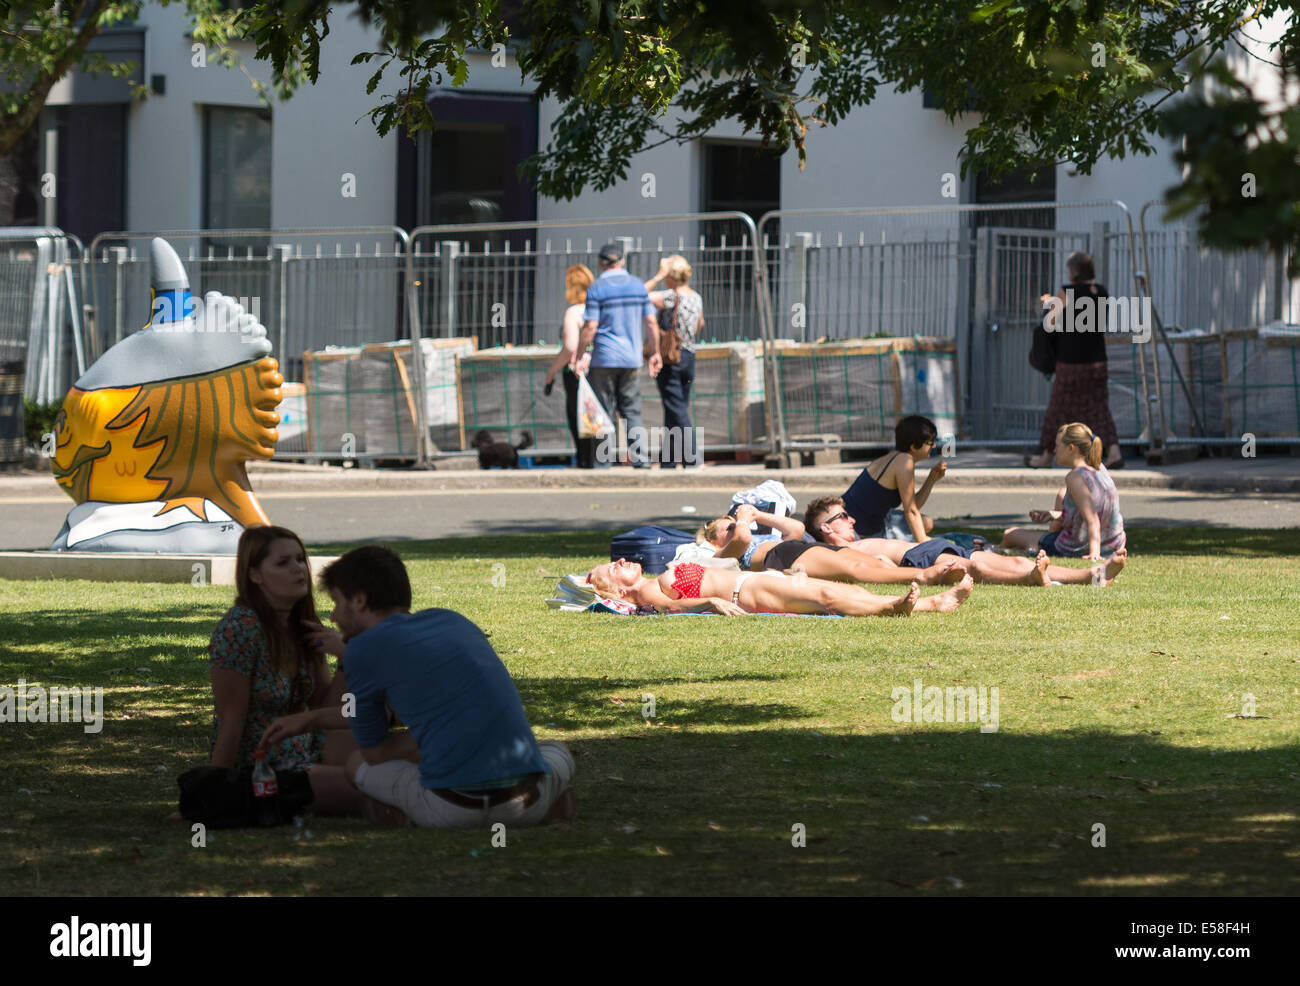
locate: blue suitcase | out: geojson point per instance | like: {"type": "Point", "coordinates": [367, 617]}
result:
{"type": "Point", "coordinates": [652, 547]}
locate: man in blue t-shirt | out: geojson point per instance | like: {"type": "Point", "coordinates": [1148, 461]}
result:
{"type": "Point", "coordinates": [618, 311]}
{"type": "Point", "coordinates": [470, 758]}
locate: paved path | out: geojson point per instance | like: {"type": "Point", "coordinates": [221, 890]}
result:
{"type": "Point", "coordinates": [354, 515]}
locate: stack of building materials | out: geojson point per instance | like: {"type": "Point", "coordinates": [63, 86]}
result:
{"type": "Point", "coordinates": [1199, 356]}
{"type": "Point", "coordinates": [501, 392]}
{"type": "Point", "coordinates": [1261, 382]}
{"type": "Point", "coordinates": [859, 388]}
{"type": "Point", "coordinates": [390, 392]}
{"type": "Point", "coordinates": [332, 378]}
{"type": "Point", "coordinates": [726, 395]}
{"type": "Point", "coordinates": [1241, 381]}
{"type": "Point", "coordinates": [362, 400]}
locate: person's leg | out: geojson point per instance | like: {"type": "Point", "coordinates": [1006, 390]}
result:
{"type": "Point", "coordinates": [669, 383]}
{"type": "Point", "coordinates": [823, 563]}
{"type": "Point", "coordinates": [556, 800]}
{"type": "Point", "coordinates": [1021, 537]}
{"type": "Point", "coordinates": [628, 395]}
{"type": "Point", "coordinates": [1110, 569]}
{"type": "Point", "coordinates": [994, 569]}
{"type": "Point", "coordinates": [332, 792]}
{"type": "Point", "coordinates": [393, 789]}
{"type": "Point", "coordinates": [763, 593]}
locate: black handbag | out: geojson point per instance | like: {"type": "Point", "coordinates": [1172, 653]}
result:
{"type": "Point", "coordinates": [222, 798]}
{"type": "Point", "coordinates": [1042, 351]}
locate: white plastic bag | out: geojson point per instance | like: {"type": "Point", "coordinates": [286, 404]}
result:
{"type": "Point", "coordinates": [593, 421]}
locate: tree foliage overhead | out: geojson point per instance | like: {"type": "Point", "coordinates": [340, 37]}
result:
{"type": "Point", "coordinates": [1032, 82]}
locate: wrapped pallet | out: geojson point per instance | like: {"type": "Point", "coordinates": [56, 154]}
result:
{"type": "Point", "coordinates": [1261, 382]}
{"type": "Point", "coordinates": [292, 428]}
{"type": "Point", "coordinates": [332, 378]}
{"type": "Point", "coordinates": [858, 388]}
{"type": "Point", "coordinates": [726, 395]}
{"type": "Point", "coordinates": [1199, 357]}
{"type": "Point", "coordinates": [501, 392]}
{"type": "Point", "coordinates": [389, 393]}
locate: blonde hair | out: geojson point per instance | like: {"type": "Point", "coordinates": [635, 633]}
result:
{"type": "Point", "coordinates": [709, 531]}
{"type": "Point", "coordinates": [678, 269]}
{"type": "Point", "coordinates": [603, 586]}
{"type": "Point", "coordinates": [1078, 435]}
{"type": "Point", "coordinates": [576, 281]}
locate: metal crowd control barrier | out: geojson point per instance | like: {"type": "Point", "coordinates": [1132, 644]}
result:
{"type": "Point", "coordinates": [38, 303]}
{"type": "Point", "coordinates": [968, 274]}
{"type": "Point", "coordinates": [1233, 315]}
{"type": "Point", "coordinates": [504, 282]}
{"type": "Point", "coordinates": [311, 288]}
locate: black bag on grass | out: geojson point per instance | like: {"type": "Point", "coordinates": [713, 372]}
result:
{"type": "Point", "coordinates": [222, 798]}
{"type": "Point", "coordinates": [652, 547]}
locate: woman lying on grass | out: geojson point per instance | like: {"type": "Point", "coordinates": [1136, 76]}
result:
{"type": "Point", "coordinates": [263, 666]}
{"type": "Point", "coordinates": [732, 538]}
{"type": "Point", "coordinates": [1086, 521]}
{"type": "Point", "coordinates": [827, 521]}
{"type": "Point", "coordinates": [691, 588]}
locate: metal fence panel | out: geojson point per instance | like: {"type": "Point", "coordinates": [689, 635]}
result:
{"type": "Point", "coordinates": [310, 288]}
{"type": "Point", "coordinates": [972, 274]}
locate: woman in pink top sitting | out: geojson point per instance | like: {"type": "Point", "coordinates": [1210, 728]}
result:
{"type": "Point", "coordinates": [1086, 522]}
{"type": "Point", "coordinates": [692, 588]}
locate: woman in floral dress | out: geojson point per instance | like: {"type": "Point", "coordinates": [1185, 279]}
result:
{"type": "Point", "coordinates": [263, 666]}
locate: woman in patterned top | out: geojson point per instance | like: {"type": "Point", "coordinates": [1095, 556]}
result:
{"type": "Point", "coordinates": [679, 307]}
{"type": "Point", "coordinates": [263, 665]}
{"type": "Point", "coordinates": [1086, 522]}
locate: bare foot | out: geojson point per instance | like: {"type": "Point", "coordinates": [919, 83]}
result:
{"type": "Point", "coordinates": [946, 602]}
{"type": "Point", "coordinates": [565, 807]}
{"type": "Point", "coordinates": [1039, 574]}
{"type": "Point", "coordinates": [947, 571]}
{"type": "Point", "coordinates": [904, 605]}
{"type": "Point", "coordinates": [1115, 564]}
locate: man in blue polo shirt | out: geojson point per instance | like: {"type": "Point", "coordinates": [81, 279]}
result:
{"type": "Point", "coordinates": [470, 758]}
{"type": "Point", "coordinates": [618, 309]}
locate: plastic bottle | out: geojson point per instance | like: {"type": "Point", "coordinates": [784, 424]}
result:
{"type": "Point", "coordinates": [265, 789]}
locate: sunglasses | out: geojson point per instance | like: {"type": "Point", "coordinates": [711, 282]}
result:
{"type": "Point", "coordinates": [838, 516]}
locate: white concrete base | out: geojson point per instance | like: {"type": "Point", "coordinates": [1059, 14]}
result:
{"type": "Point", "coordinates": [110, 566]}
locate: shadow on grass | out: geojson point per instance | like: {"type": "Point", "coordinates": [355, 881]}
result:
{"type": "Point", "coordinates": [929, 810]}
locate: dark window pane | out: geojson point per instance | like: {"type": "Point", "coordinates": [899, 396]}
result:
{"type": "Point", "coordinates": [237, 168]}
{"type": "Point", "coordinates": [20, 182]}
{"type": "Point", "coordinates": [740, 178]}
{"type": "Point", "coordinates": [467, 179]}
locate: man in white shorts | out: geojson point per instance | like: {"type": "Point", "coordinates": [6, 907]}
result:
{"type": "Point", "coordinates": [470, 758]}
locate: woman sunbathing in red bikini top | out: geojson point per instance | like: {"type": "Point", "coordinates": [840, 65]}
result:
{"type": "Point", "coordinates": [691, 588]}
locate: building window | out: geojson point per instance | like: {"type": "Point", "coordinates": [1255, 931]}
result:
{"type": "Point", "coordinates": [20, 182]}
{"type": "Point", "coordinates": [740, 178]}
{"type": "Point", "coordinates": [236, 168]}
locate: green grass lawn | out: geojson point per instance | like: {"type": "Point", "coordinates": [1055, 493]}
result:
{"type": "Point", "coordinates": [1116, 707]}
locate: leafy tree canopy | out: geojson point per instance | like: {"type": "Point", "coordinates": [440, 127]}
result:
{"type": "Point", "coordinates": [1034, 82]}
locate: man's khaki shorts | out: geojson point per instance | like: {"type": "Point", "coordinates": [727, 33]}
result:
{"type": "Point", "coordinates": [397, 783]}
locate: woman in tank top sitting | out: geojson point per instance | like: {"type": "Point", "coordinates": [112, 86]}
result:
{"type": "Point", "coordinates": [1086, 521]}
{"type": "Point", "coordinates": [688, 587]}
{"type": "Point", "coordinates": [890, 481]}
{"type": "Point", "coordinates": [790, 551]}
